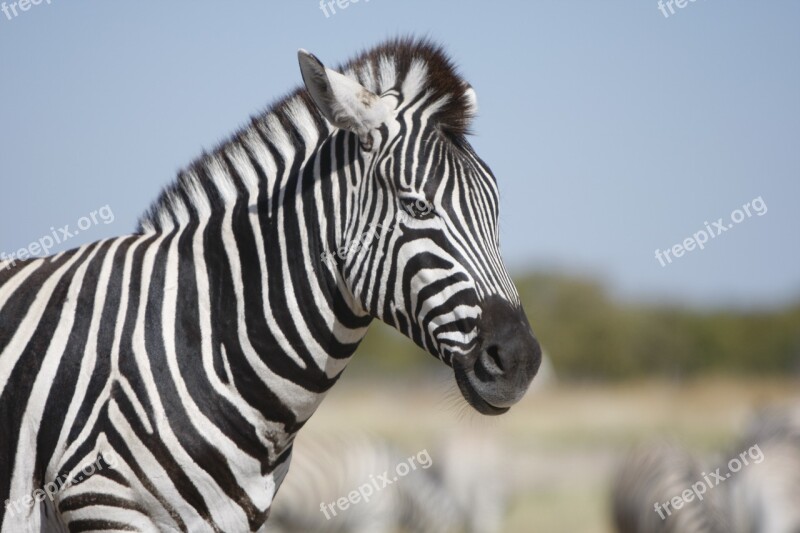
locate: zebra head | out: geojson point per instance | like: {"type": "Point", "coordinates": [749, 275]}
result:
{"type": "Point", "coordinates": [419, 248]}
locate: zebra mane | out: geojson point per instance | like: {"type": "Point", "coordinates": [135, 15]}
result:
{"type": "Point", "coordinates": [410, 65]}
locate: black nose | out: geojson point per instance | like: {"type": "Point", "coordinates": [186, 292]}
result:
{"type": "Point", "coordinates": [509, 354]}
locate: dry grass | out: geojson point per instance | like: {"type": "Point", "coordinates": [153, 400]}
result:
{"type": "Point", "coordinates": [560, 444]}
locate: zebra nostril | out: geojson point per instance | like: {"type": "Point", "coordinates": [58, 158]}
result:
{"type": "Point", "coordinates": [494, 353]}
{"type": "Point", "coordinates": [488, 366]}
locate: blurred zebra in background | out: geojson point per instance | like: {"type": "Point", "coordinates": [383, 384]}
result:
{"type": "Point", "coordinates": [431, 498]}
{"type": "Point", "coordinates": [654, 474]}
{"type": "Point", "coordinates": [767, 499]}
{"type": "Point", "coordinates": [756, 499]}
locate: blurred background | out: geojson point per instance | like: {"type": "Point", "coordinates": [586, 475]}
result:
{"type": "Point", "coordinates": [615, 130]}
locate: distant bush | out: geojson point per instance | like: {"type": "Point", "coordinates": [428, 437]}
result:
{"type": "Point", "coordinates": [590, 335]}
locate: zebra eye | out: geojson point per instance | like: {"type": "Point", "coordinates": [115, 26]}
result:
{"type": "Point", "coordinates": [418, 208]}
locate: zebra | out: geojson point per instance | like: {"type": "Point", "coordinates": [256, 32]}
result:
{"type": "Point", "coordinates": [190, 353]}
{"type": "Point", "coordinates": [461, 491]}
{"type": "Point", "coordinates": [764, 499]}
{"type": "Point", "coordinates": [327, 467]}
{"type": "Point", "coordinates": [654, 473]}
{"type": "Point", "coordinates": [761, 498]}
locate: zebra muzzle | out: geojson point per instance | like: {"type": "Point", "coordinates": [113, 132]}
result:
{"type": "Point", "coordinates": [498, 372]}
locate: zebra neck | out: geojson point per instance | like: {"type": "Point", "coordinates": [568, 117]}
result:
{"type": "Point", "coordinates": [300, 318]}
{"type": "Point", "coordinates": [256, 215]}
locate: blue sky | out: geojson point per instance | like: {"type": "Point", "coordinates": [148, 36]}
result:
{"type": "Point", "coordinates": [613, 130]}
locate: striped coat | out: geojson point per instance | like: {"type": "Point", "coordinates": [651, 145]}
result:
{"type": "Point", "coordinates": [156, 381]}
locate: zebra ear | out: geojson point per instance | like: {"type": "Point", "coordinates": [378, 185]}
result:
{"type": "Point", "coordinates": [343, 101]}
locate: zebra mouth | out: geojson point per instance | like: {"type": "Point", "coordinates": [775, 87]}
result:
{"type": "Point", "coordinates": [470, 394]}
{"type": "Point", "coordinates": [497, 371]}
